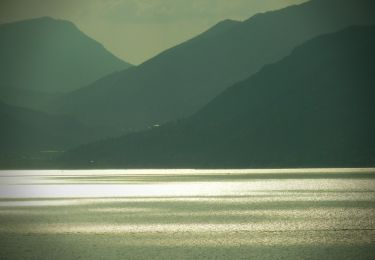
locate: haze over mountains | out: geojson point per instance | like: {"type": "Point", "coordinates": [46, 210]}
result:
{"type": "Point", "coordinates": [217, 100]}
{"type": "Point", "coordinates": [25, 133]}
{"type": "Point", "coordinates": [30, 137]}
{"type": "Point", "coordinates": [43, 56]}
{"type": "Point", "coordinates": [315, 108]}
{"type": "Point", "coordinates": [182, 80]}
{"type": "Point", "coordinates": [40, 60]}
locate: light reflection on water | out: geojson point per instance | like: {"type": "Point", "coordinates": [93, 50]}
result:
{"type": "Point", "coordinates": [158, 183]}
{"type": "Point", "coordinates": [180, 171]}
{"type": "Point", "coordinates": [211, 208]}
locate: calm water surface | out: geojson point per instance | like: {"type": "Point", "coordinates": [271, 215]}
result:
{"type": "Point", "coordinates": [185, 214]}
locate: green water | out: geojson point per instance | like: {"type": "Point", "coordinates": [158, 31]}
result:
{"type": "Point", "coordinates": [185, 214]}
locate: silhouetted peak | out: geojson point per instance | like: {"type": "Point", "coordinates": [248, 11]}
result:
{"type": "Point", "coordinates": [266, 14]}
{"type": "Point", "coordinates": [43, 19]}
{"type": "Point", "coordinates": [227, 22]}
{"type": "Point", "coordinates": [352, 34]}
{"type": "Point", "coordinates": [41, 22]}
{"type": "Point", "coordinates": [31, 45]}
{"type": "Point", "coordinates": [224, 25]}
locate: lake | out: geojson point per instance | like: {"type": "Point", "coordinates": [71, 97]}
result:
{"type": "Point", "coordinates": [188, 214]}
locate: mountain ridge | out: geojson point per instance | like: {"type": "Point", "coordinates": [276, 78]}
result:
{"type": "Point", "coordinates": [181, 80]}
{"type": "Point", "coordinates": [52, 55]}
{"type": "Point", "coordinates": [322, 116]}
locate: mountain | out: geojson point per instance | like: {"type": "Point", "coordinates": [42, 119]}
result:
{"type": "Point", "coordinates": [181, 80]}
{"type": "Point", "coordinates": [28, 136]}
{"type": "Point", "coordinates": [314, 108]}
{"type": "Point", "coordinates": [50, 55]}
{"type": "Point", "coordinates": [28, 98]}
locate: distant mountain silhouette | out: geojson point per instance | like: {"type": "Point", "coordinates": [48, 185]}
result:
{"type": "Point", "coordinates": [25, 134]}
{"type": "Point", "coordinates": [50, 55]}
{"type": "Point", "coordinates": [181, 80]}
{"type": "Point", "coordinates": [28, 98]}
{"type": "Point", "coordinates": [314, 108]}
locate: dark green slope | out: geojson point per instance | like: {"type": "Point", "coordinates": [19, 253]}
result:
{"type": "Point", "coordinates": [46, 54]}
{"type": "Point", "coordinates": [38, 100]}
{"type": "Point", "coordinates": [26, 136]}
{"type": "Point", "coordinates": [315, 108]}
{"type": "Point", "coordinates": [183, 79]}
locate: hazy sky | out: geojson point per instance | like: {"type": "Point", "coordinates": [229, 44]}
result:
{"type": "Point", "coordinates": [136, 30]}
